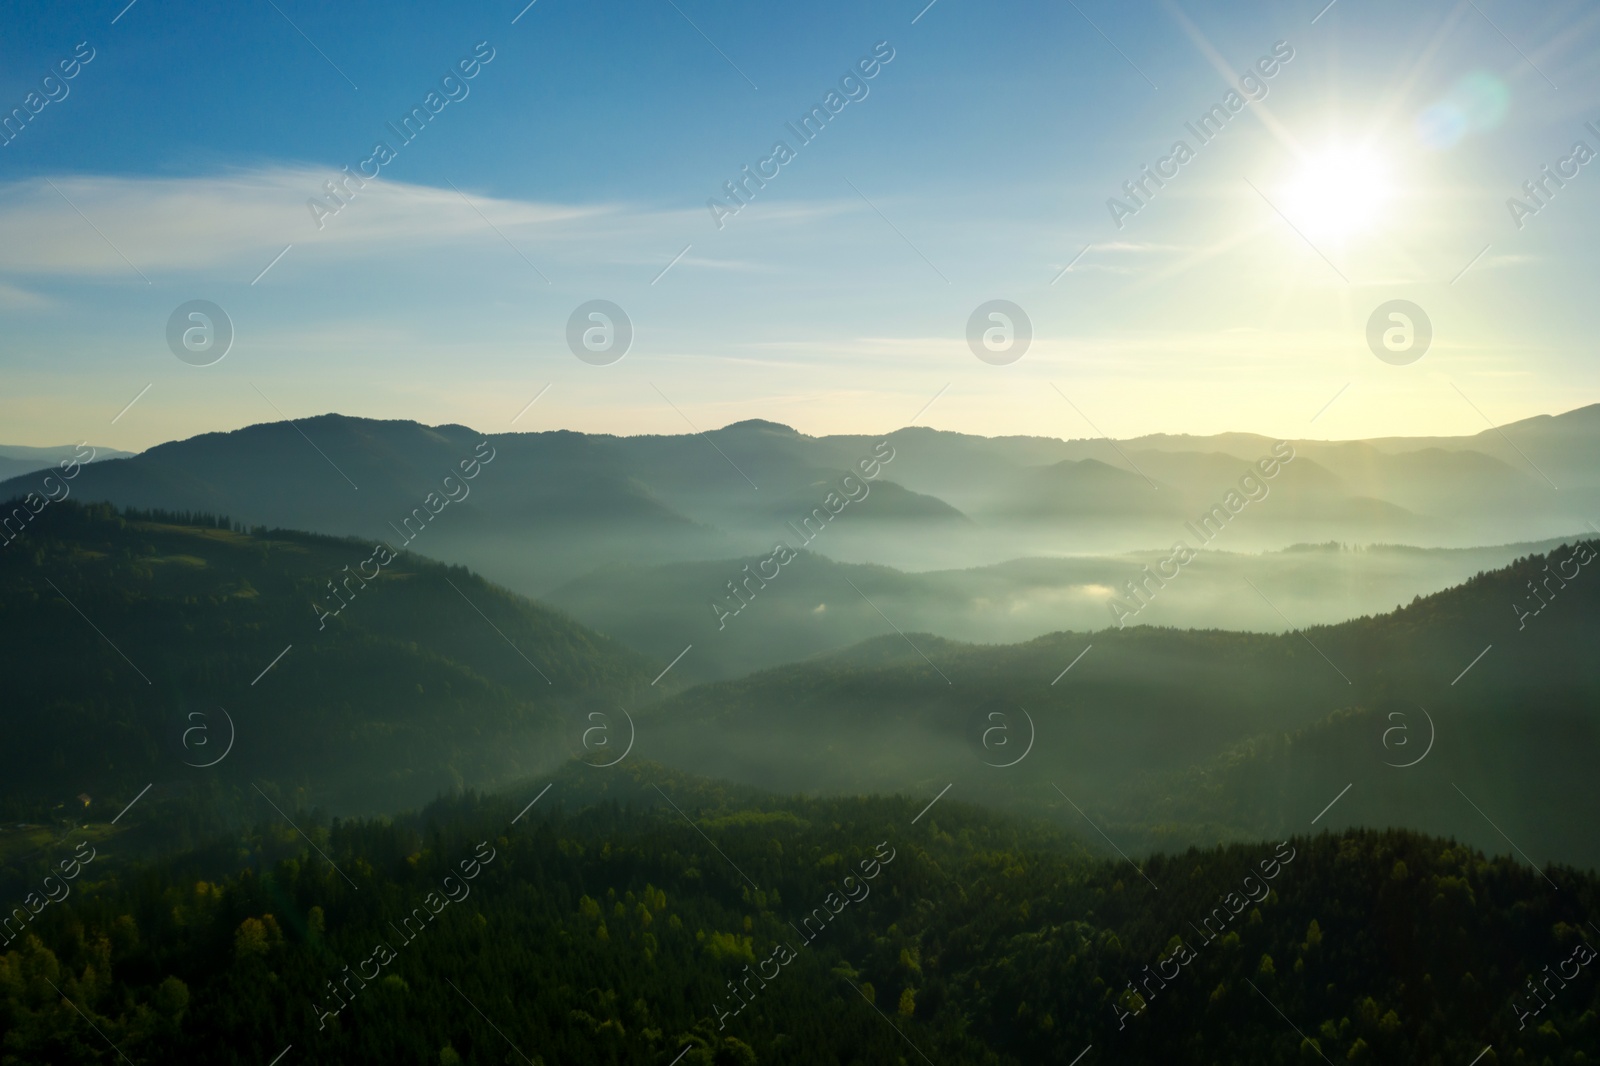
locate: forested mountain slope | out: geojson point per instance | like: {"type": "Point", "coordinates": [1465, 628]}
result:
{"type": "Point", "coordinates": [601, 926]}
{"type": "Point", "coordinates": [139, 649]}
{"type": "Point", "coordinates": [1196, 736]}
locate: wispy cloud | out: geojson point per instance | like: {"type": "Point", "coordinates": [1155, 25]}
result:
{"type": "Point", "coordinates": [14, 299]}
{"type": "Point", "coordinates": [245, 217]}
{"type": "Point", "coordinates": [1140, 246]}
{"type": "Point", "coordinates": [242, 218]}
{"type": "Point", "coordinates": [1492, 262]}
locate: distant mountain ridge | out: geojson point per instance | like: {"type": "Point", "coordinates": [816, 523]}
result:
{"type": "Point", "coordinates": [17, 461]}
{"type": "Point", "coordinates": [557, 504]}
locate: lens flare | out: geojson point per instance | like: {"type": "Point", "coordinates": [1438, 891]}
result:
{"type": "Point", "coordinates": [1475, 104]}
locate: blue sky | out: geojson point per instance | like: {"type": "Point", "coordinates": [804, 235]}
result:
{"type": "Point", "coordinates": [977, 167]}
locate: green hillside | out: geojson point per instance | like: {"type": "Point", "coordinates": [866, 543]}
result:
{"type": "Point", "coordinates": [131, 643]}
{"type": "Point", "coordinates": [1189, 736]}
{"type": "Point", "coordinates": [638, 916]}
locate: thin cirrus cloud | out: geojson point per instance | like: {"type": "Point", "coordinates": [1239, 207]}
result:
{"type": "Point", "coordinates": [94, 227]}
{"type": "Point", "coordinates": [204, 222]}
{"type": "Point", "coordinates": [14, 298]}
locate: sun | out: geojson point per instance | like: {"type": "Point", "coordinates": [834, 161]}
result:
{"type": "Point", "coordinates": [1339, 193]}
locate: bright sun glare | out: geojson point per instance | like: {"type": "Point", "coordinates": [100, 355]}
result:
{"type": "Point", "coordinates": [1338, 193]}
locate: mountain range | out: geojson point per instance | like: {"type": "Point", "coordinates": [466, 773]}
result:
{"type": "Point", "coordinates": [129, 631]}
{"type": "Point", "coordinates": [558, 504]}
{"type": "Point", "coordinates": [17, 461]}
{"type": "Point", "coordinates": [653, 539]}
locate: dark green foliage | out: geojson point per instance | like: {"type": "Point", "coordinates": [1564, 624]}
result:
{"type": "Point", "coordinates": [605, 929]}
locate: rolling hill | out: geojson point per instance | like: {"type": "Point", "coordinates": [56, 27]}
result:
{"type": "Point", "coordinates": [140, 647]}
{"type": "Point", "coordinates": [1177, 737]}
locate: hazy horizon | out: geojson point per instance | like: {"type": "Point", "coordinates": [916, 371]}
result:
{"type": "Point", "coordinates": [927, 421]}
